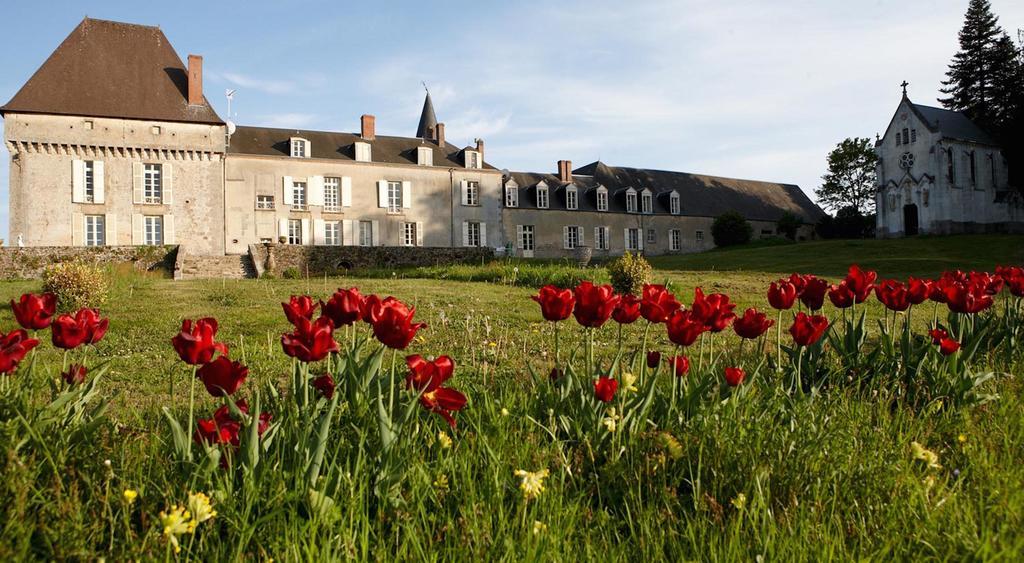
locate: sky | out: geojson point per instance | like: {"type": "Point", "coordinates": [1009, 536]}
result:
{"type": "Point", "coordinates": [744, 89]}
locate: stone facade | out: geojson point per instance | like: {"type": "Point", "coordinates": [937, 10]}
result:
{"type": "Point", "coordinates": [29, 263]}
{"type": "Point", "coordinates": [318, 260]}
{"type": "Point", "coordinates": [938, 173]}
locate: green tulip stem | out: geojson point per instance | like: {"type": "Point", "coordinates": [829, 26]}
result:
{"type": "Point", "coordinates": [191, 411]}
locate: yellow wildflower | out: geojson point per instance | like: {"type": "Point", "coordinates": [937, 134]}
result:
{"type": "Point", "coordinates": [492, 344]}
{"type": "Point", "coordinates": [532, 483]}
{"type": "Point", "coordinates": [611, 421]}
{"type": "Point", "coordinates": [920, 453]}
{"type": "Point", "coordinates": [130, 495]}
{"type": "Point", "coordinates": [928, 482]}
{"type": "Point", "coordinates": [539, 527]}
{"type": "Point", "coordinates": [441, 483]}
{"type": "Point", "coordinates": [176, 522]}
{"type": "Point", "coordinates": [444, 440]}
{"type": "Point", "coordinates": [504, 412]}
{"type": "Point", "coordinates": [962, 439]}
{"type": "Point", "coordinates": [740, 502]}
{"type": "Point", "coordinates": [628, 383]}
{"type": "Point", "coordinates": [199, 506]}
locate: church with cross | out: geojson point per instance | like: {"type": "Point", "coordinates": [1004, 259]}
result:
{"type": "Point", "coordinates": [938, 172]}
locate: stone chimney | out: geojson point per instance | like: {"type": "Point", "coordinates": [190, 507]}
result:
{"type": "Point", "coordinates": [369, 124]}
{"type": "Point", "coordinates": [565, 170]}
{"type": "Point", "coordinates": [480, 148]}
{"type": "Point", "coordinates": [439, 134]}
{"type": "Point", "coordinates": [195, 80]}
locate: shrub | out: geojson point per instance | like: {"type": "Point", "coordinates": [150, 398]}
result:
{"type": "Point", "coordinates": [788, 225]}
{"type": "Point", "coordinates": [849, 222]}
{"type": "Point", "coordinates": [76, 285]}
{"type": "Point", "coordinates": [730, 229]}
{"type": "Point", "coordinates": [629, 273]}
{"type": "Point", "coordinates": [291, 273]}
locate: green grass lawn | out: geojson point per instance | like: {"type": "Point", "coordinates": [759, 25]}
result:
{"type": "Point", "coordinates": [805, 478]}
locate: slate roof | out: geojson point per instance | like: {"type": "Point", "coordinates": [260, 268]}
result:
{"type": "Point", "coordinates": [952, 124]}
{"type": "Point", "coordinates": [428, 120]}
{"type": "Point", "coordinates": [700, 195]}
{"type": "Point", "coordinates": [112, 69]}
{"type": "Point", "coordinates": [270, 141]}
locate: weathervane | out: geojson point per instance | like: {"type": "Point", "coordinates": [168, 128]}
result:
{"type": "Point", "coordinates": [425, 86]}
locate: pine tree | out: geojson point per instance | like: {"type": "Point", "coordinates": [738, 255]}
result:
{"type": "Point", "coordinates": [969, 83]}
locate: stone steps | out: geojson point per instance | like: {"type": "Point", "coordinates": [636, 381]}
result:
{"type": "Point", "coordinates": [216, 267]}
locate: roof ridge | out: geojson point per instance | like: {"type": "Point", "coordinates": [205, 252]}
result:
{"type": "Point", "coordinates": [117, 22]}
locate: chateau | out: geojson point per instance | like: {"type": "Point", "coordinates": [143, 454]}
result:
{"type": "Point", "coordinates": [112, 142]}
{"type": "Point", "coordinates": [939, 173]}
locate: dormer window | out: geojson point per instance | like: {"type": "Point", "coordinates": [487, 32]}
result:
{"type": "Point", "coordinates": [647, 201]}
{"type": "Point", "coordinates": [673, 203]}
{"type": "Point", "coordinates": [571, 198]}
{"type": "Point", "coordinates": [472, 159]}
{"type": "Point", "coordinates": [602, 199]}
{"type": "Point", "coordinates": [630, 200]}
{"type": "Point", "coordinates": [362, 152]}
{"type": "Point", "coordinates": [300, 147]}
{"type": "Point", "coordinates": [511, 194]}
{"type": "Point", "coordinates": [424, 156]}
{"type": "Point", "coordinates": [542, 197]}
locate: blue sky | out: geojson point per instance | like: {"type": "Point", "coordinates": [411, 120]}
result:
{"type": "Point", "coordinates": [752, 89]}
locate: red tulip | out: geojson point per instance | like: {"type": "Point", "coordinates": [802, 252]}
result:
{"type": "Point", "coordinates": [799, 281]}
{"type": "Point", "coordinates": [13, 347]}
{"type": "Point", "coordinates": [310, 341]}
{"type": "Point", "coordinates": [653, 359]}
{"type": "Point", "coordinates": [840, 295]}
{"type": "Point", "coordinates": [555, 374]}
{"type": "Point", "coordinates": [680, 365]}
{"type": "Point", "coordinates": [683, 329]}
{"type": "Point", "coordinates": [369, 307]}
{"type": "Point", "coordinates": [299, 306]}
{"type": "Point", "coordinates": [752, 324]}
{"type": "Point", "coordinates": [860, 282]}
{"type": "Point", "coordinates": [714, 310]}
{"type": "Point", "coordinates": [224, 429]}
{"type": "Point", "coordinates": [1014, 278]}
{"type": "Point", "coordinates": [222, 377]}
{"type": "Point", "coordinates": [948, 346]}
{"type": "Point", "coordinates": [937, 334]}
{"type": "Point", "coordinates": [75, 374]}
{"type": "Point", "coordinates": [918, 290]}
{"type": "Point", "coordinates": [428, 378]}
{"type": "Point", "coordinates": [34, 312]}
{"type": "Point", "coordinates": [594, 304]}
{"type": "Point", "coordinates": [658, 303]}
{"type": "Point", "coordinates": [324, 385]}
{"type": "Point", "coordinates": [992, 284]}
{"type": "Point", "coordinates": [808, 329]}
{"type": "Point", "coordinates": [628, 310]}
{"type": "Point", "coordinates": [555, 304]}
{"type": "Point", "coordinates": [781, 295]}
{"type": "Point", "coordinates": [893, 294]}
{"type": "Point", "coordinates": [393, 326]}
{"type": "Point", "coordinates": [735, 376]}
{"type": "Point", "coordinates": [86, 327]}
{"type": "Point", "coordinates": [813, 293]}
{"type": "Point", "coordinates": [344, 308]}
{"type": "Point", "coordinates": [195, 344]}
{"type": "Point", "coordinates": [604, 389]}
{"type": "Point", "coordinates": [967, 298]}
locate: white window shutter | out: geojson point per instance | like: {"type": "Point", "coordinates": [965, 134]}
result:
{"type": "Point", "coordinates": [625, 238]}
{"type": "Point", "coordinates": [465, 233]}
{"type": "Point", "coordinates": [419, 233]}
{"type": "Point", "coordinates": [98, 186]}
{"type": "Point", "coordinates": [167, 183]}
{"type": "Point", "coordinates": [137, 232]}
{"type": "Point", "coordinates": [375, 234]}
{"type": "Point", "coordinates": [464, 187]}
{"type": "Point", "coordinates": [77, 181]}
{"type": "Point", "coordinates": [640, 236]}
{"type": "Point", "coordinates": [483, 234]}
{"type": "Point", "coordinates": [77, 229]}
{"type": "Point", "coordinates": [346, 232]}
{"type": "Point", "coordinates": [382, 193]}
{"type": "Point", "coordinates": [406, 195]}
{"type": "Point", "coordinates": [169, 237]}
{"type": "Point", "coordinates": [110, 226]}
{"type": "Point", "coordinates": [519, 237]}
{"type": "Point", "coordinates": [597, 237]}
{"type": "Point", "coordinates": [565, 238]}
{"type": "Point", "coordinates": [346, 191]}
{"type": "Point", "coordinates": [282, 227]}
{"type": "Point", "coordinates": [607, 238]}
{"type": "Point", "coordinates": [319, 232]}
{"type": "Point", "coordinates": [286, 191]}
{"type": "Point", "coordinates": [316, 190]}
{"type": "Point", "coordinates": [579, 231]}
{"type": "Point", "coordinates": [305, 231]}
{"type": "Point", "coordinates": [136, 186]}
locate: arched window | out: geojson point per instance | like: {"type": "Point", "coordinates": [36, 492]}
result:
{"type": "Point", "coordinates": [974, 169]}
{"type": "Point", "coordinates": [630, 200]}
{"type": "Point", "coordinates": [950, 167]}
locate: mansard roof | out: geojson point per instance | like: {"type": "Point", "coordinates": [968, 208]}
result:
{"type": "Point", "coordinates": [112, 69]}
{"type": "Point", "coordinates": [952, 124]}
{"type": "Point", "coordinates": [428, 121]}
{"type": "Point", "coordinates": [700, 195]}
{"type": "Point", "coordinates": [269, 141]}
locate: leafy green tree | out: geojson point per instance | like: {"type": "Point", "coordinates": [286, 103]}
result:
{"type": "Point", "coordinates": [730, 229]}
{"type": "Point", "coordinates": [850, 180]}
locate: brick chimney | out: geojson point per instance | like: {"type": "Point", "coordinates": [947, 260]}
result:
{"type": "Point", "coordinates": [369, 124]}
{"type": "Point", "coordinates": [439, 134]}
{"type": "Point", "coordinates": [480, 148]}
{"type": "Point", "coordinates": [565, 170]}
{"type": "Point", "coordinates": [195, 80]}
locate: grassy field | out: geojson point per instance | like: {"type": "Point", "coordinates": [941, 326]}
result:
{"type": "Point", "coordinates": [825, 476]}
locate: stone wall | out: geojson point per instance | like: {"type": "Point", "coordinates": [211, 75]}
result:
{"type": "Point", "coordinates": [274, 259]}
{"type": "Point", "coordinates": [29, 262]}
